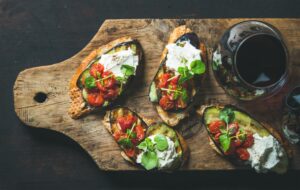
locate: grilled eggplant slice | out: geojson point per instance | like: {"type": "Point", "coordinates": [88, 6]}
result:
{"type": "Point", "coordinates": [128, 130]}
{"type": "Point", "coordinates": [103, 76]}
{"type": "Point", "coordinates": [174, 88]}
{"type": "Point", "coordinates": [181, 148]}
{"type": "Point", "coordinates": [155, 147]}
{"type": "Point", "coordinates": [239, 137]}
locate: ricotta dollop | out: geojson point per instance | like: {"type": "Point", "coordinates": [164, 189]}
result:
{"type": "Point", "coordinates": [166, 157]}
{"type": "Point", "coordinates": [265, 153]}
{"type": "Point", "coordinates": [181, 55]}
{"type": "Point", "coordinates": [113, 62]}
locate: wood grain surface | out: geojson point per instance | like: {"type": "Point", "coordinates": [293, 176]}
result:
{"type": "Point", "coordinates": [53, 81]}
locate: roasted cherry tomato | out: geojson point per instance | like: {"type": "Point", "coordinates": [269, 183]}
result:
{"type": "Point", "coordinates": [163, 81]}
{"type": "Point", "coordinates": [100, 86]}
{"type": "Point", "coordinates": [110, 94]}
{"type": "Point", "coordinates": [96, 70]}
{"type": "Point", "coordinates": [117, 135]}
{"type": "Point", "coordinates": [237, 142]}
{"type": "Point", "coordinates": [166, 103]}
{"type": "Point", "coordinates": [243, 154]}
{"type": "Point", "coordinates": [233, 128]}
{"type": "Point", "coordinates": [249, 141]}
{"type": "Point", "coordinates": [95, 99]}
{"type": "Point", "coordinates": [126, 122]}
{"type": "Point", "coordinates": [214, 127]}
{"type": "Point", "coordinates": [130, 152]}
{"type": "Point", "coordinates": [174, 80]}
{"type": "Point", "coordinates": [140, 134]}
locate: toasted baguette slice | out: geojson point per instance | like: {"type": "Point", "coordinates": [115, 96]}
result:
{"type": "Point", "coordinates": [210, 113]}
{"type": "Point", "coordinates": [78, 105]}
{"type": "Point", "coordinates": [172, 118]}
{"type": "Point", "coordinates": [110, 123]}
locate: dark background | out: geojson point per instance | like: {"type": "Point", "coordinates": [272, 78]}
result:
{"type": "Point", "coordinates": [42, 32]}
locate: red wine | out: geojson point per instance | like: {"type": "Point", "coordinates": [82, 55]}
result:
{"type": "Point", "coordinates": [261, 60]}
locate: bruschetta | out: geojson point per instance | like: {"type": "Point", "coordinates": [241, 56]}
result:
{"type": "Point", "coordinates": [157, 147]}
{"type": "Point", "coordinates": [103, 75]}
{"type": "Point", "coordinates": [237, 136]}
{"type": "Point", "coordinates": [179, 76]}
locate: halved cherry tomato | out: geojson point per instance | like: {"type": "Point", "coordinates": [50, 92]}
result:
{"type": "Point", "coordinates": [117, 134]}
{"type": "Point", "coordinates": [233, 128]}
{"type": "Point", "coordinates": [96, 69]}
{"type": "Point", "coordinates": [140, 134]}
{"type": "Point", "coordinates": [174, 81]}
{"type": "Point", "coordinates": [166, 103]}
{"type": "Point", "coordinates": [95, 99]}
{"type": "Point", "coordinates": [249, 141]}
{"type": "Point", "coordinates": [163, 81]}
{"type": "Point", "coordinates": [106, 74]}
{"type": "Point", "coordinates": [100, 86]}
{"type": "Point", "coordinates": [126, 122]}
{"type": "Point", "coordinates": [110, 82]}
{"type": "Point", "coordinates": [243, 154]}
{"type": "Point", "coordinates": [110, 94]}
{"type": "Point", "coordinates": [130, 152]}
{"type": "Point", "coordinates": [214, 127]}
{"type": "Point", "coordinates": [237, 142]}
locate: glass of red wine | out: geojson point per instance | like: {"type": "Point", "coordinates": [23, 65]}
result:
{"type": "Point", "coordinates": [251, 60]}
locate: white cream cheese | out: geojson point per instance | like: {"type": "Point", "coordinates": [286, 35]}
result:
{"type": "Point", "coordinates": [113, 62]}
{"type": "Point", "coordinates": [166, 157]}
{"type": "Point", "coordinates": [181, 56]}
{"type": "Point", "coordinates": [265, 153]}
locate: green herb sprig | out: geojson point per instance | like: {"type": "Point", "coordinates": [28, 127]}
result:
{"type": "Point", "coordinates": [149, 157]}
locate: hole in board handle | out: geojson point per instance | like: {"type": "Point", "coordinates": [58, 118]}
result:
{"type": "Point", "coordinates": [40, 97]}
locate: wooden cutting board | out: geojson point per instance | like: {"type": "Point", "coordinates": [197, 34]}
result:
{"type": "Point", "coordinates": [41, 94]}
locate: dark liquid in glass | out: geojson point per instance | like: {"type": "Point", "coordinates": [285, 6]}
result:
{"type": "Point", "coordinates": [261, 60]}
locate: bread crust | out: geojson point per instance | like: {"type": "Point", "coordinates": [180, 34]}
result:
{"type": "Point", "coordinates": [77, 108]}
{"type": "Point", "coordinates": [173, 118]}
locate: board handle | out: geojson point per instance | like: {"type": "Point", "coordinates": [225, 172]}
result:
{"type": "Point", "coordinates": [40, 92]}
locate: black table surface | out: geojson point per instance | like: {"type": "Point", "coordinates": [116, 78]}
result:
{"type": "Point", "coordinates": [42, 32]}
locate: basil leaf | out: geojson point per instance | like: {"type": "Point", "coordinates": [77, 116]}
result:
{"type": "Point", "coordinates": [125, 143]}
{"type": "Point", "coordinates": [146, 145]}
{"type": "Point", "coordinates": [90, 82]}
{"type": "Point", "coordinates": [131, 135]}
{"type": "Point", "coordinates": [150, 145]}
{"type": "Point", "coordinates": [149, 160]}
{"type": "Point", "coordinates": [227, 115]}
{"type": "Point", "coordinates": [197, 67]}
{"type": "Point", "coordinates": [161, 142]}
{"type": "Point", "coordinates": [143, 146]}
{"type": "Point", "coordinates": [127, 70]}
{"type": "Point", "coordinates": [121, 79]}
{"type": "Point", "coordinates": [225, 142]}
{"type": "Point", "coordinates": [185, 74]}
{"type": "Point", "coordinates": [184, 95]}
